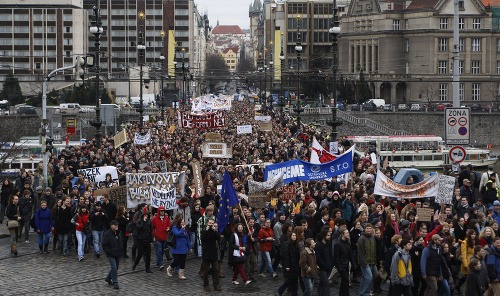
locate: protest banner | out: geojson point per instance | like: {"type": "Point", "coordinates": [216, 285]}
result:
{"type": "Point", "coordinates": [265, 126]}
{"type": "Point", "coordinates": [161, 164]}
{"type": "Point", "coordinates": [211, 102]}
{"type": "Point", "coordinates": [120, 138]}
{"type": "Point", "coordinates": [163, 198]}
{"type": "Point", "coordinates": [257, 201]}
{"type": "Point", "coordinates": [244, 129]}
{"type": "Point", "coordinates": [117, 195]}
{"type": "Point", "coordinates": [298, 170]}
{"type": "Point", "coordinates": [262, 118]}
{"type": "Point", "coordinates": [445, 189]}
{"type": "Point", "coordinates": [425, 214]}
{"type": "Point", "coordinates": [213, 137]}
{"type": "Point", "coordinates": [208, 120]}
{"type": "Point", "coordinates": [386, 187]}
{"type": "Point", "coordinates": [142, 139]}
{"type": "Point", "coordinates": [198, 181]}
{"type": "Point", "coordinates": [289, 192]}
{"type": "Point", "coordinates": [98, 174]}
{"type": "Point", "coordinates": [216, 150]}
{"type": "Point", "coordinates": [261, 187]}
{"type": "Point", "coordinates": [143, 187]}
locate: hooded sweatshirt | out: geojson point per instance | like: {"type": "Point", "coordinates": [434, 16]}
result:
{"type": "Point", "coordinates": [160, 225]}
{"type": "Point", "coordinates": [401, 269]}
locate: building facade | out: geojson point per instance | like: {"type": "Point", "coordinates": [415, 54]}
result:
{"type": "Point", "coordinates": [406, 50]}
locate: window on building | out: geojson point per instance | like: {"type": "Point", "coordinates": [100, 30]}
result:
{"type": "Point", "coordinates": [476, 44]}
{"type": "Point", "coordinates": [443, 23]}
{"type": "Point", "coordinates": [68, 29]}
{"type": "Point", "coordinates": [443, 67]}
{"type": "Point", "coordinates": [461, 44]}
{"type": "Point", "coordinates": [476, 23]}
{"type": "Point", "coordinates": [475, 67]}
{"type": "Point", "coordinates": [443, 91]}
{"type": "Point", "coordinates": [461, 91]}
{"type": "Point", "coordinates": [396, 25]}
{"type": "Point", "coordinates": [460, 67]}
{"type": "Point", "coordinates": [476, 91]}
{"type": "Point", "coordinates": [443, 44]}
{"type": "Point", "coordinates": [461, 5]}
{"type": "Point", "coordinates": [461, 23]}
{"type": "Point", "coordinates": [407, 45]}
{"type": "Point", "coordinates": [498, 44]}
{"type": "Point", "coordinates": [498, 67]}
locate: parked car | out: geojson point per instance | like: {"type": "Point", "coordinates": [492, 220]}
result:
{"type": "Point", "coordinates": [369, 106]}
{"type": "Point", "coordinates": [476, 108]}
{"type": "Point", "coordinates": [416, 107]}
{"type": "Point", "coordinates": [388, 107]}
{"type": "Point", "coordinates": [355, 107]}
{"type": "Point", "coordinates": [26, 110]}
{"type": "Point", "coordinates": [402, 107]}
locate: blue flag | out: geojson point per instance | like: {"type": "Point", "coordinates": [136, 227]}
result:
{"type": "Point", "coordinates": [228, 199]}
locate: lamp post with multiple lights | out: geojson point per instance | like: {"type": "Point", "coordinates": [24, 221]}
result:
{"type": "Point", "coordinates": [334, 31]}
{"type": "Point", "coordinates": [96, 29]}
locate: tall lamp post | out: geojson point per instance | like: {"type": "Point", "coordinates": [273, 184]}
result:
{"type": "Point", "coordinates": [96, 29]}
{"type": "Point", "coordinates": [162, 92]}
{"type": "Point", "coordinates": [271, 73]}
{"type": "Point", "coordinates": [334, 31]}
{"type": "Point", "coordinates": [183, 98]}
{"type": "Point", "coordinates": [141, 48]}
{"type": "Point", "coordinates": [298, 50]}
{"type": "Point", "coordinates": [282, 95]}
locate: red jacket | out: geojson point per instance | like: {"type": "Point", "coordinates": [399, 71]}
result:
{"type": "Point", "coordinates": [159, 227]}
{"type": "Point", "coordinates": [265, 245]}
{"type": "Point", "coordinates": [81, 220]}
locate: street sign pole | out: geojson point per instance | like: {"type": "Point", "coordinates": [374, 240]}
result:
{"type": "Point", "coordinates": [457, 126]}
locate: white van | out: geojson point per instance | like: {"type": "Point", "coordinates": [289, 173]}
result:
{"type": "Point", "coordinates": [70, 107]}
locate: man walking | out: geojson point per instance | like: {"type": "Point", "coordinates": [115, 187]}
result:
{"type": "Point", "coordinates": [367, 259]}
{"type": "Point", "coordinates": [493, 266]}
{"type": "Point", "coordinates": [161, 226]}
{"type": "Point", "coordinates": [210, 255]}
{"type": "Point", "coordinates": [342, 256]}
{"type": "Point", "coordinates": [112, 246]}
{"type": "Point", "coordinates": [430, 265]}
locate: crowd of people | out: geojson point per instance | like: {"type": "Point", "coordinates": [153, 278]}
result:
{"type": "Point", "coordinates": [330, 231]}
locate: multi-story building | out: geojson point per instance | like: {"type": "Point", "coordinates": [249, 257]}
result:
{"type": "Point", "coordinates": [406, 49]}
{"type": "Point", "coordinates": [37, 37]}
{"type": "Point", "coordinates": [231, 56]}
{"type": "Point", "coordinates": [227, 40]}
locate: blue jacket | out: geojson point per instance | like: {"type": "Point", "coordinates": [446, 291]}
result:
{"type": "Point", "coordinates": [43, 220]}
{"type": "Point", "coordinates": [182, 241]}
{"type": "Point", "coordinates": [493, 264]}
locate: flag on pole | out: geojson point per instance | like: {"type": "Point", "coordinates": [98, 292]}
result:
{"type": "Point", "coordinates": [228, 199]}
{"type": "Point", "coordinates": [319, 154]}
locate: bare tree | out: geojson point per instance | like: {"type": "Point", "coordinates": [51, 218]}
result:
{"type": "Point", "coordinates": [11, 131]}
{"type": "Point", "coordinates": [429, 91]}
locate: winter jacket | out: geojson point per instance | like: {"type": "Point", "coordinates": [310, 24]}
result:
{"type": "Point", "coordinates": [342, 255]}
{"type": "Point", "coordinates": [265, 245]}
{"type": "Point", "coordinates": [307, 263]}
{"type": "Point", "coordinates": [290, 259]}
{"type": "Point", "coordinates": [209, 245]}
{"type": "Point", "coordinates": [110, 209]}
{"type": "Point", "coordinates": [81, 220]}
{"type": "Point", "coordinates": [26, 208]}
{"type": "Point", "coordinates": [62, 220]}
{"type": "Point", "coordinates": [367, 250]}
{"type": "Point", "coordinates": [493, 264]}
{"type": "Point", "coordinates": [143, 229]}
{"type": "Point", "coordinates": [12, 211]}
{"type": "Point", "coordinates": [401, 269]}
{"type": "Point", "coordinates": [182, 241]}
{"type": "Point", "coordinates": [430, 262]}
{"type": "Point", "coordinates": [98, 220]}
{"type": "Point", "coordinates": [473, 284]}
{"type": "Point", "coordinates": [466, 252]}
{"type": "Point", "coordinates": [43, 220]}
{"type": "Point", "coordinates": [112, 243]}
{"type": "Point", "coordinates": [159, 227]}
{"type": "Point", "coordinates": [324, 256]}
{"type": "Point", "coordinates": [7, 191]}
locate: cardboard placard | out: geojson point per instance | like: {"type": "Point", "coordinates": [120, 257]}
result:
{"type": "Point", "coordinates": [257, 201]}
{"type": "Point", "coordinates": [120, 138]}
{"type": "Point", "coordinates": [117, 195]}
{"type": "Point", "coordinates": [289, 192]}
{"type": "Point", "coordinates": [265, 126]}
{"type": "Point", "coordinates": [425, 214]}
{"type": "Point", "coordinates": [198, 181]}
{"type": "Point", "coordinates": [213, 137]}
{"type": "Point", "coordinates": [445, 189]}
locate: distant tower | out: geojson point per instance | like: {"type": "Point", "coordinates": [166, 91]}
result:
{"type": "Point", "coordinates": [255, 14]}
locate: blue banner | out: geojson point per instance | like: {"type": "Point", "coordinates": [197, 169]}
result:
{"type": "Point", "coordinates": [299, 170]}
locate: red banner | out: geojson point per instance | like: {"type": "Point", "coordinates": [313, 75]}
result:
{"type": "Point", "coordinates": [208, 120]}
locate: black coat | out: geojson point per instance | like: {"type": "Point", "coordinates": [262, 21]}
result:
{"type": "Point", "coordinates": [62, 219]}
{"type": "Point", "coordinates": [209, 241]}
{"type": "Point", "coordinates": [98, 219]}
{"type": "Point", "coordinates": [110, 210]}
{"type": "Point", "coordinates": [26, 208]}
{"type": "Point", "coordinates": [342, 255]}
{"type": "Point", "coordinates": [11, 211]}
{"type": "Point", "coordinates": [324, 256]}
{"type": "Point", "coordinates": [143, 229]}
{"type": "Point", "coordinates": [7, 191]}
{"type": "Point", "coordinates": [290, 259]}
{"type": "Point", "coordinates": [112, 243]}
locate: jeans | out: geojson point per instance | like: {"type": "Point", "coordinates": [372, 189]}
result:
{"type": "Point", "coordinates": [266, 262]}
{"type": "Point", "coordinates": [398, 290]}
{"type": "Point", "coordinates": [114, 262]}
{"type": "Point", "coordinates": [63, 243]}
{"type": "Point", "coordinates": [444, 288]}
{"type": "Point", "coordinates": [309, 283]}
{"type": "Point", "coordinates": [41, 239]}
{"type": "Point", "coordinates": [323, 287]}
{"type": "Point", "coordinates": [159, 248]}
{"type": "Point", "coordinates": [195, 241]}
{"type": "Point", "coordinates": [291, 283]}
{"type": "Point", "coordinates": [97, 236]}
{"type": "Point", "coordinates": [81, 237]}
{"type": "Point", "coordinates": [277, 257]}
{"type": "Point", "coordinates": [368, 272]}
{"type": "Point", "coordinates": [26, 226]}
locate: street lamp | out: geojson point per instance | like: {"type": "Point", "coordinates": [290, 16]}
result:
{"type": "Point", "coordinates": [176, 97]}
{"type": "Point", "coordinates": [183, 98]}
{"type": "Point", "coordinates": [96, 29]}
{"type": "Point", "coordinates": [334, 31]}
{"type": "Point", "coordinates": [141, 48]}
{"type": "Point", "coordinates": [282, 95]}
{"type": "Point", "coordinates": [298, 49]}
{"type": "Point", "coordinates": [271, 72]}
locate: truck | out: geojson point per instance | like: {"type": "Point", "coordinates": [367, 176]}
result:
{"type": "Point", "coordinates": [64, 107]}
{"type": "Point", "coordinates": [147, 100]}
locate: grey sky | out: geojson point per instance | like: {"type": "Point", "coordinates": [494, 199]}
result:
{"type": "Point", "coordinates": [228, 12]}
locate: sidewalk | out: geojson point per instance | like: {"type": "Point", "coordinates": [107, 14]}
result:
{"type": "Point", "coordinates": [4, 232]}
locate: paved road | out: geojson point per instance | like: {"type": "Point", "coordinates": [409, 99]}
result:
{"type": "Point", "coordinates": [51, 274]}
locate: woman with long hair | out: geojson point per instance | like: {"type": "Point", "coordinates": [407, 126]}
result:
{"type": "Point", "coordinates": [44, 225]}
{"type": "Point", "coordinates": [238, 243]}
{"type": "Point", "coordinates": [5, 195]}
{"type": "Point", "coordinates": [486, 237]}
{"type": "Point", "coordinates": [466, 251]}
{"type": "Point", "coordinates": [122, 217]}
{"type": "Point", "coordinates": [13, 214]}
{"type": "Point", "coordinates": [196, 214]}
{"type": "Point", "coordinates": [391, 228]}
{"type": "Point", "coordinates": [290, 259]}
{"type": "Point", "coordinates": [81, 220]}
{"type": "Point", "coordinates": [182, 246]}
{"type": "Point", "coordinates": [62, 217]}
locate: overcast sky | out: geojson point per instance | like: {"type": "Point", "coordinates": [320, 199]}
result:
{"type": "Point", "coordinates": [228, 12]}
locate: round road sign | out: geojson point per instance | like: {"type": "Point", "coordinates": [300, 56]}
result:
{"type": "Point", "coordinates": [452, 121]}
{"type": "Point", "coordinates": [462, 131]}
{"type": "Point", "coordinates": [462, 121]}
{"type": "Point", "coordinates": [457, 154]}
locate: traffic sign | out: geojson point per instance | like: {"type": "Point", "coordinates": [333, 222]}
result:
{"type": "Point", "coordinates": [457, 126]}
{"type": "Point", "coordinates": [457, 154]}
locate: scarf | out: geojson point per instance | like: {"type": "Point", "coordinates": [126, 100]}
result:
{"type": "Point", "coordinates": [242, 243]}
{"type": "Point", "coordinates": [396, 226]}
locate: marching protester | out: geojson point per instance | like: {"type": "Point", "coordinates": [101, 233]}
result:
{"type": "Point", "coordinates": [144, 240]}
{"type": "Point", "coordinates": [210, 255]}
{"type": "Point", "coordinates": [308, 266]}
{"type": "Point", "coordinates": [14, 216]}
{"type": "Point", "coordinates": [181, 248]}
{"type": "Point", "coordinates": [112, 246]}
{"type": "Point", "coordinates": [161, 226]}
{"type": "Point", "coordinates": [82, 229]}
{"type": "Point", "coordinates": [44, 225]}
{"type": "Point", "coordinates": [239, 243]}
